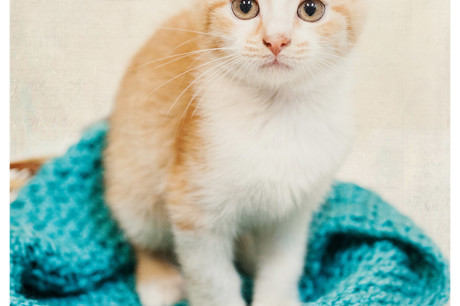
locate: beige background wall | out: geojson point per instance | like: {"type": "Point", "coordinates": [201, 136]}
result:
{"type": "Point", "coordinates": [67, 58]}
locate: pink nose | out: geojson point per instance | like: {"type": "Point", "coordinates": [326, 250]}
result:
{"type": "Point", "coordinates": [276, 43]}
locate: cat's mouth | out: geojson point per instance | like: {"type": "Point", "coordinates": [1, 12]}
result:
{"type": "Point", "coordinates": [276, 64]}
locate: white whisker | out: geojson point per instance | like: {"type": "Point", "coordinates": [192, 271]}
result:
{"type": "Point", "coordinates": [225, 63]}
{"type": "Point", "coordinates": [181, 74]}
{"type": "Point", "coordinates": [196, 79]}
{"type": "Point", "coordinates": [180, 54]}
{"type": "Point", "coordinates": [185, 42]}
{"type": "Point", "coordinates": [233, 64]}
{"type": "Point", "coordinates": [192, 31]}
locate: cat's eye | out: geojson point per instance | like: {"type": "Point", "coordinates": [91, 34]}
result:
{"type": "Point", "coordinates": [311, 10]}
{"type": "Point", "coordinates": [245, 9]}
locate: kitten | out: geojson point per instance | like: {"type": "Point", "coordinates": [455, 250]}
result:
{"type": "Point", "coordinates": [226, 133]}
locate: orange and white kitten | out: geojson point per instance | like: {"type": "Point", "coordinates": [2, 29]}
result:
{"type": "Point", "coordinates": [226, 133]}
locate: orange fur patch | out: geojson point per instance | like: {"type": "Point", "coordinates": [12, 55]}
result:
{"type": "Point", "coordinates": [153, 266]}
{"type": "Point", "coordinates": [210, 11]}
{"type": "Point", "coordinates": [189, 145]}
{"type": "Point", "coordinates": [345, 11]}
{"type": "Point", "coordinates": [330, 28]}
{"type": "Point", "coordinates": [223, 24]}
{"type": "Point", "coordinates": [148, 118]}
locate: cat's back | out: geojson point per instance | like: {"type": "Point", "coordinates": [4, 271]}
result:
{"type": "Point", "coordinates": [159, 72]}
{"type": "Point", "coordinates": [143, 123]}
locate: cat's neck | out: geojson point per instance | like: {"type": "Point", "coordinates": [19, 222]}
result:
{"type": "Point", "coordinates": [328, 89]}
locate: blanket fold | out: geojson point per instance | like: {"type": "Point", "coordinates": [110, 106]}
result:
{"type": "Point", "coordinates": [65, 249]}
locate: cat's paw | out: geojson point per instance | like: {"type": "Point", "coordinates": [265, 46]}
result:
{"type": "Point", "coordinates": [161, 291]}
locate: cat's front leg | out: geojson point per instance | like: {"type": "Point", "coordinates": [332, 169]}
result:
{"type": "Point", "coordinates": [206, 258]}
{"type": "Point", "coordinates": [281, 252]}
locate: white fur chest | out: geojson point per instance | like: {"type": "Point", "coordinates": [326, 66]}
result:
{"type": "Point", "coordinates": [270, 154]}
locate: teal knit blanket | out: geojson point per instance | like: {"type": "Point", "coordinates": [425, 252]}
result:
{"type": "Point", "coordinates": [66, 249]}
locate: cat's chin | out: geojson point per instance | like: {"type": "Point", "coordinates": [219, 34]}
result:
{"type": "Point", "coordinates": [276, 75]}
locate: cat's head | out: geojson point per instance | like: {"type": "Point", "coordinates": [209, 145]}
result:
{"type": "Point", "coordinates": [278, 41]}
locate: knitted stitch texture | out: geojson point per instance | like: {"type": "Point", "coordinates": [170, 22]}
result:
{"type": "Point", "coordinates": [66, 249]}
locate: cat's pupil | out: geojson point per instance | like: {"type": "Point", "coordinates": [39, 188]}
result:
{"type": "Point", "coordinates": [246, 6]}
{"type": "Point", "coordinates": [310, 8]}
